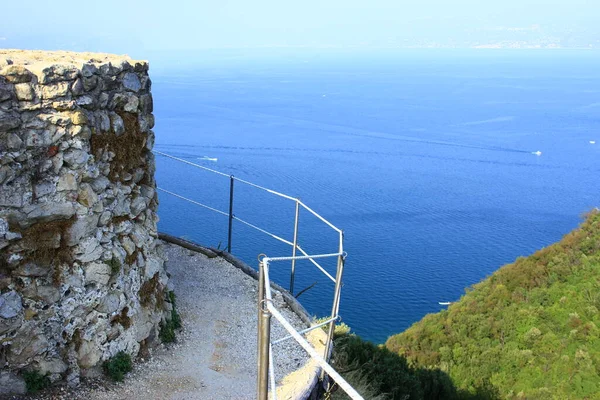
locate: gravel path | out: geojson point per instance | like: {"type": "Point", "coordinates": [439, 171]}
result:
{"type": "Point", "coordinates": [215, 355]}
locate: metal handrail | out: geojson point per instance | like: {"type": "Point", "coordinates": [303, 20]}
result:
{"type": "Point", "coordinates": [233, 217]}
{"type": "Point", "coordinates": [265, 362]}
{"type": "Point", "coordinates": [266, 310]}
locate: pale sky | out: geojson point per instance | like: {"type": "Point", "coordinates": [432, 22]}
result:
{"type": "Point", "coordinates": [134, 26]}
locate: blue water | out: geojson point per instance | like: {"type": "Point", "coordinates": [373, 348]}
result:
{"type": "Point", "coordinates": [424, 158]}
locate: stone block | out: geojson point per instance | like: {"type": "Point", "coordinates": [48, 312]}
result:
{"type": "Point", "coordinates": [56, 73]}
{"type": "Point", "coordinates": [100, 184]}
{"type": "Point", "coordinates": [86, 196]}
{"type": "Point", "coordinates": [11, 195]}
{"type": "Point", "coordinates": [97, 272]}
{"type": "Point", "coordinates": [49, 294]}
{"type": "Point", "coordinates": [90, 83]}
{"type": "Point", "coordinates": [31, 269]}
{"type": "Point", "coordinates": [9, 120]}
{"type": "Point", "coordinates": [77, 87]}
{"type": "Point", "coordinates": [24, 92]}
{"type": "Point", "coordinates": [54, 90]}
{"type": "Point", "coordinates": [13, 141]}
{"type": "Point", "coordinates": [118, 126]}
{"type": "Point", "coordinates": [16, 74]}
{"type": "Point", "coordinates": [146, 104]}
{"type": "Point", "coordinates": [46, 212]}
{"type": "Point", "coordinates": [10, 304]}
{"type": "Point", "coordinates": [82, 227]}
{"type": "Point", "coordinates": [132, 82]}
{"type": "Point", "coordinates": [28, 342]}
{"type": "Point", "coordinates": [11, 384]}
{"type": "Point", "coordinates": [76, 158]}
{"type": "Point", "coordinates": [88, 250]}
{"type": "Point", "coordinates": [44, 188]}
{"type": "Point", "coordinates": [88, 70]}
{"type": "Point", "coordinates": [52, 366]}
{"type": "Point", "coordinates": [67, 181]}
{"type": "Point", "coordinates": [6, 91]}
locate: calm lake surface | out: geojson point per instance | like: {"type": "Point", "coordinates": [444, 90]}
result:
{"type": "Point", "coordinates": [424, 158]}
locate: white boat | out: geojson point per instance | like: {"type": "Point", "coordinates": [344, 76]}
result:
{"type": "Point", "coordinates": [537, 153]}
{"type": "Point", "coordinates": [444, 303]}
{"type": "Point", "coordinates": [205, 158]}
{"type": "Point", "coordinates": [592, 142]}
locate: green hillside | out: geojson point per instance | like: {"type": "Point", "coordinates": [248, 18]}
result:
{"type": "Point", "coordinates": [531, 330]}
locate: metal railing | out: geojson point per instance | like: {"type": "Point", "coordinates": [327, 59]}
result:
{"type": "Point", "coordinates": [265, 303]}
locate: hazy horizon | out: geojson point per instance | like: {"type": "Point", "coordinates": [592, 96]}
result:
{"type": "Point", "coordinates": [137, 28]}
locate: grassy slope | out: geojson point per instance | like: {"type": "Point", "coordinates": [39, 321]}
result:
{"type": "Point", "coordinates": [531, 329]}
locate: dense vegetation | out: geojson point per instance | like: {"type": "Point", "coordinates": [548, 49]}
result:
{"type": "Point", "coordinates": [379, 374]}
{"type": "Point", "coordinates": [118, 366]}
{"type": "Point", "coordinates": [531, 330]}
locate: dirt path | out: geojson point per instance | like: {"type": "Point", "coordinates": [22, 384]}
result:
{"type": "Point", "coordinates": [215, 356]}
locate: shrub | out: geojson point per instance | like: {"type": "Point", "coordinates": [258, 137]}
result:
{"type": "Point", "coordinates": [379, 373]}
{"type": "Point", "coordinates": [34, 381]}
{"type": "Point", "coordinates": [167, 328]}
{"type": "Point", "coordinates": [339, 330]}
{"type": "Point", "coordinates": [118, 366]}
{"type": "Point", "coordinates": [115, 266]}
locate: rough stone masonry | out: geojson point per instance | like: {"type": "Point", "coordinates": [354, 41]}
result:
{"type": "Point", "coordinates": [81, 271]}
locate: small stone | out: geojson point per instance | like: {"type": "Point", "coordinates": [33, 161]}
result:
{"type": "Point", "coordinates": [46, 212]}
{"type": "Point", "coordinates": [44, 188]}
{"type": "Point", "coordinates": [138, 205]}
{"type": "Point", "coordinates": [146, 122]}
{"type": "Point", "coordinates": [104, 218]}
{"type": "Point", "coordinates": [90, 83]}
{"type": "Point", "coordinates": [32, 269]}
{"type": "Point", "coordinates": [117, 124]}
{"type": "Point", "coordinates": [132, 104]}
{"type": "Point", "coordinates": [3, 227]}
{"type": "Point", "coordinates": [29, 341]}
{"type": "Point", "coordinates": [82, 227]}
{"type": "Point", "coordinates": [56, 73]}
{"type": "Point", "coordinates": [67, 181]}
{"type": "Point", "coordinates": [48, 294]}
{"type": "Point", "coordinates": [13, 141]}
{"type": "Point", "coordinates": [87, 197]}
{"type": "Point", "coordinates": [88, 355]}
{"type": "Point", "coordinates": [34, 138]}
{"type": "Point", "coordinates": [10, 304]}
{"type": "Point", "coordinates": [100, 184]}
{"type": "Point", "coordinates": [77, 87]}
{"type": "Point", "coordinates": [146, 104]}
{"type": "Point", "coordinates": [131, 82]}
{"type": "Point", "coordinates": [88, 249]}
{"type": "Point", "coordinates": [153, 266]}
{"type": "Point", "coordinates": [24, 91]}
{"type": "Point", "coordinates": [85, 101]}
{"type": "Point", "coordinates": [109, 303]}
{"type": "Point", "coordinates": [6, 91]}
{"type": "Point", "coordinates": [128, 245]}
{"type": "Point", "coordinates": [10, 196]}
{"type": "Point", "coordinates": [52, 91]}
{"type": "Point", "coordinates": [79, 118]}
{"type": "Point", "coordinates": [11, 384]}
{"type": "Point", "coordinates": [103, 101]}
{"type": "Point", "coordinates": [9, 120]}
{"type": "Point", "coordinates": [16, 74]}
{"type": "Point", "coordinates": [88, 70]}
{"type": "Point", "coordinates": [52, 366]}
{"type": "Point", "coordinates": [76, 158]}
{"type": "Point", "coordinates": [97, 272]}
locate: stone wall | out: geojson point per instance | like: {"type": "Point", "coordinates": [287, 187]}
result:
{"type": "Point", "coordinates": [81, 274]}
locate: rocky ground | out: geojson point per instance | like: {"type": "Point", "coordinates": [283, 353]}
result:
{"type": "Point", "coordinates": [215, 354]}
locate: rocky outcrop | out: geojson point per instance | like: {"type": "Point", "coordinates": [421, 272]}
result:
{"type": "Point", "coordinates": [81, 274]}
